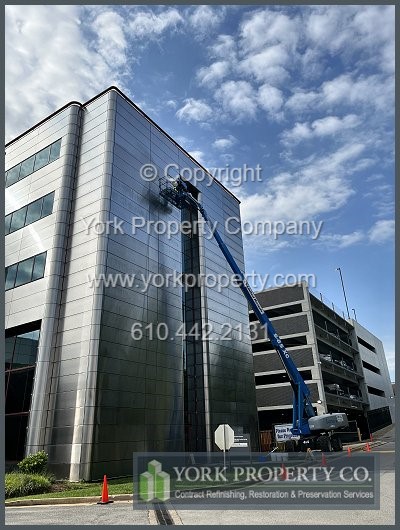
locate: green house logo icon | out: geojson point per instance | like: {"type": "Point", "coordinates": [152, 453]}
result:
{"type": "Point", "coordinates": [154, 483]}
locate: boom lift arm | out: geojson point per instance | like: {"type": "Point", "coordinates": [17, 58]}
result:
{"type": "Point", "coordinates": [178, 194]}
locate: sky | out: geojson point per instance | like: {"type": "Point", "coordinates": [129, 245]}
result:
{"type": "Point", "coordinates": [305, 92]}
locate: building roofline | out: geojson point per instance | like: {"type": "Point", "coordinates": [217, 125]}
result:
{"type": "Point", "coordinates": [116, 89]}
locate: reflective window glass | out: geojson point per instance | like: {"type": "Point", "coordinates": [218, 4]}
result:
{"type": "Point", "coordinates": [9, 349]}
{"type": "Point", "coordinates": [27, 167]}
{"type": "Point", "coordinates": [55, 151]}
{"type": "Point", "coordinates": [15, 436]}
{"type": "Point", "coordinates": [13, 175]}
{"type": "Point", "coordinates": [16, 389]}
{"type": "Point", "coordinates": [33, 163]}
{"type": "Point", "coordinates": [7, 222]}
{"type": "Point", "coordinates": [24, 272]}
{"type": "Point", "coordinates": [42, 158]}
{"type": "Point", "coordinates": [38, 268]}
{"type": "Point", "coordinates": [25, 349]}
{"type": "Point", "coordinates": [47, 204]}
{"type": "Point", "coordinates": [11, 273]}
{"type": "Point", "coordinates": [34, 211]}
{"type": "Point", "coordinates": [18, 219]}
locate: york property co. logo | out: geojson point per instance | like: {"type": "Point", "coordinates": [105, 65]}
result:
{"type": "Point", "coordinates": [154, 483]}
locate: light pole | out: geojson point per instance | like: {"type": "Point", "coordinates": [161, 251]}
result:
{"type": "Point", "coordinates": [344, 292]}
{"type": "Point", "coordinates": [354, 311]}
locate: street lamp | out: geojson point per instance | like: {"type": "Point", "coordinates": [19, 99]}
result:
{"type": "Point", "coordinates": [344, 292]}
{"type": "Point", "coordinates": [354, 311]}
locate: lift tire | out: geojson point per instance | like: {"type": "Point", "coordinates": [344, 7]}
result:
{"type": "Point", "coordinates": [337, 444]}
{"type": "Point", "coordinates": [324, 443]}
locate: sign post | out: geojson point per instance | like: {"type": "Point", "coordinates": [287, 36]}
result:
{"type": "Point", "coordinates": [224, 438]}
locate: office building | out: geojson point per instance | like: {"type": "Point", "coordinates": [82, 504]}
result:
{"type": "Point", "coordinates": [96, 370]}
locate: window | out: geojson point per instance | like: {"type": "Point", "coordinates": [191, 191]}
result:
{"type": "Point", "coordinates": [29, 214]}
{"type": "Point", "coordinates": [20, 361]}
{"type": "Point", "coordinates": [7, 222]}
{"type": "Point", "coordinates": [38, 267]}
{"type": "Point", "coordinates": [279, 311]}
{"type": "Point", "coordinates": [271, 379]}
{"type": "Point", "coordinates": [22, 345]}
{"type": "Point", "coordinates": [27, 167]}
{"type": "Point", "coordinates": [370, 367]}
{"type": "Point", "coordinates": [25, 349]}
{"type": "Point", "coordinates": [366, 344]}
{"type": "Point", "coordinates": [375, 391]}
{"type": "Point", "coordinates": [55, 151]}
{"type": "Point", "coordinates": [11, 273]}
{"type": "Point", "coordinates": [13, 175]}
{"type": "Point", "coordinates": [33, 213]}
{"type": "Point", "coordinates": [25, 271]}
{"type": "Point", "coordinates": [33, 163]}
{"type": "Point", "coordinates": [18, 219]}
{"type": "Point", "coordinates": [42, 158]}
{"type": "Point", "coordinates": [47, 208]}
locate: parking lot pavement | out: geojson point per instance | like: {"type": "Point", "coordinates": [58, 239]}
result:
{"type": "Point", "coordinates": [118, 513]}
{"type": "Point", "coordinates": [384, 516]}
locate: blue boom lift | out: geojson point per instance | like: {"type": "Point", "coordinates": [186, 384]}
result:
{"type": "Point", "coordinates": [308, 430]}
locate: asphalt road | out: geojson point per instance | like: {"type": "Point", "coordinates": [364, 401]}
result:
{"type": "Point", "coordinates": [121, 513]}
{"type": "Point", "coordinates": [118, 513]}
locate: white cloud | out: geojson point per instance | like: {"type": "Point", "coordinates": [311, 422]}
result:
{"type": "Point", "coordinates": [339, 241]}
{"type": "Point", "coordinates": [318, 187]}
{"type": "Point", "coordinates": [267, 65]}
{"type": "Point", "coordinates": [50, 63]}
{"type": "Point", "coordinates": [172, 104]}
{"type": "Point", "coordinates": [194, 110]}
{"type": "Point", "coordinates": [238, 99]}
{"type": "Point", "coordinates": [224, 143]}
{"type": "Point", "coordinates": [330, 125]}
{"type": "Point", "coordinates": [368, 31]}
{"type": "Point", "coordinates": [302, 101]}
{"type": "Point", "coordinates": [148, 24]}
{"type": "Point", "coordinates": [270, 99]}
{"type": "Point", "coordinates": [373, 92]}
{"type": "Point", "coordinates": [382, 231]}
{"type": "Point", "coordinates": [268, 27]}
{"type": "Point", "coordinates": [209, 75]}
{"type": "Point", "coordinates": [112, 44]}
{"type": "Point", "coordinates": [224, 47]}
{"type": "Point", "coordinates": [205, 19]}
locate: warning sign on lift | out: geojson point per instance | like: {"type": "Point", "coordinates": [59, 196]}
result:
{"type": "Point", "coordinates": [283, 432]}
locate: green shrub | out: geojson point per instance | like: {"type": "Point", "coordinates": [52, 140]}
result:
{"type": "Point", "coordinates": [21, 484]}
{"type": "Point", "coordinates": [34, 464]}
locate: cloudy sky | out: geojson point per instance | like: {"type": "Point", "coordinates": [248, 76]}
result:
{"type": "Point", "coordinates": [307, 92]}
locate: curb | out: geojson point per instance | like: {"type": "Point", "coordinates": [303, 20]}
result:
{"type": "Point", "coordinates": [66, 500]}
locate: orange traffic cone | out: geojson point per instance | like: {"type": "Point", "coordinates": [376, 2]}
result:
{"type": "Point", "coordinates": [104, 493]}
{"type": "Point", "coordinates": [367, 448]}
{"type": "Point", "coordinates": [348, 451]}
{"type": "Point", "coordinates": [284, 472]}
{"type": "Point", "coordinates": [323, 460]}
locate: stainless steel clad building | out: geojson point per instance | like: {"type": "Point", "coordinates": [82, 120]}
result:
{"type": "Point", "coordinates": [81, 382]}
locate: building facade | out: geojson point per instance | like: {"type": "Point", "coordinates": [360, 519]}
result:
{"type": "Point", "coordinates": [98, 365]}
{"type": "Point", "coordinates": [334, 356]}
{"type": "Point", "coordinates": [376, 376]}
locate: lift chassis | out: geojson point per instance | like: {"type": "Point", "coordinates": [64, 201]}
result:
{"type": "Point", "coordinates": [308, 429]}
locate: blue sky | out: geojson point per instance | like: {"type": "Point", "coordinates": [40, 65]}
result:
{"type": "Point", "coordinates": [307, 92]}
